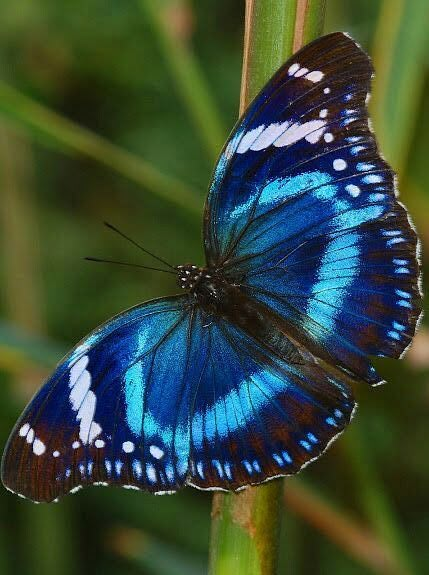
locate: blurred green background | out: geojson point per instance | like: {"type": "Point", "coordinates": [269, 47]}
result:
{"type": "Point", "coordinates": [156, 87]}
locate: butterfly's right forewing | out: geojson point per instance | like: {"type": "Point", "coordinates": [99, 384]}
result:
{"type": "Point", "coordinates": [303, 213]}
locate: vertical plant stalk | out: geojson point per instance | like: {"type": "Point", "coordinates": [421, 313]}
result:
{"type": "Point", "coordinates": [245, 530]}
{"type": "Point", "coordinates": [245, 526]}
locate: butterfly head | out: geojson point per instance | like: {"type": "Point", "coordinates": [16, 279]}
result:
{"type": "Point", "coordinates": [189, 276]}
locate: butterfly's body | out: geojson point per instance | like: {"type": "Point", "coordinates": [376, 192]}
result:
{"type": "Point", "coordinates": [311, 269]}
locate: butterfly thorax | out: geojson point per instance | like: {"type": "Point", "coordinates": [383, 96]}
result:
{"type": "Point", "coordinates": [208, 286]}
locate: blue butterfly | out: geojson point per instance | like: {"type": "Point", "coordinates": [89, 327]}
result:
{"type": "Point", "coordinates": [311, 268]}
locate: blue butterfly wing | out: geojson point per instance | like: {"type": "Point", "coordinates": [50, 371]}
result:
{"type": "Point", "coordinates": [165, 395]}
{"type": "Point", "coordinates": [302, 212]}
{"type": "Point", "coordinates": [257, 416]}
{"type": "Point", "coordinates": [116, 411]}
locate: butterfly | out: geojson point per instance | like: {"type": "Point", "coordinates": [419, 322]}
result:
{"type": "Point", "coordinates": [311, 269]}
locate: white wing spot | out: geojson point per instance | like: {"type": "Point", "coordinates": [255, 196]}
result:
{"type": "Point", "coordinates": [30, 435]}
{"type": "Point", "coordinates": [83, 400]}
{"type": "Point", "coordinates": [128, 446]}
{"type": "Point", "coordinates": [137, 468]}
{"type": "Point", "coordinates": [294, 68]}
{"type": "Point", "coordinates": [327, 90]}
{"type": "Point", "coordinates": [76, 444]}
{"type": "Point", "coordinates": [77, 369]}
{"type": "Point", "coordinates": [38, 447]}
{"type": "Point", "coordinates": [299, 131]}
{"type": "Point", "coordinates": [156, 452]}
{"type": "Point", "coordinates": [282, 134]}
{"type": "Point", "coordinates": [328, 137]}
{"type": "Point", "coordinates": [315, 136]}
{"type": "Point", "coordinates": [301, 72]}
{"type": "Point", "coordinates": [353, 190]}
{"type": "Point", "coordinates": [99, 443]}
{"type": "Point", "coordinates": [56, 454]}
{"type": "Point", "coordinates": [339, 164]}
{"type": "Point", "coordinates": [323, 113]}
{"type": "Point", "coordinates": [80, 388]}
{"type": "Point", "coordinates": [369, 179]}
{"type": "Point", "coordinates": [76, 489]}
{"type": "Point", "coordinates": [248, 139]}
{"type": "Point", "coordinates": [150, 472]}
{"type": "Point", "coordinates": [200, 469]}
{"type": "Point", "coordinates": [315, 76]}
{"type": "Point", "coordinates": [269, 135]}
{"type": "Point", "coordinates": [377, 197]}
{"type": "Point", "coordinates": [24, 430]}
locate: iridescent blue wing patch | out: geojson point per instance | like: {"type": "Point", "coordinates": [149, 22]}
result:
{"type": "Point", "coordinates": [302, 212]}
{"type": "Point", "coordinates": [116, 411]}
{"type": "Point", "coordinates": [257, 416]}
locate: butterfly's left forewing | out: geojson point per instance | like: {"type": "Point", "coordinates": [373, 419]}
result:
{"type": "Point", "coordinates": [117, 409]}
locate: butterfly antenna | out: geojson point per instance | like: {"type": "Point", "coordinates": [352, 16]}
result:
{"type": "Point", "coordinates": [101, 261]}
{"type": "Point", "coordinates": [111, 227]}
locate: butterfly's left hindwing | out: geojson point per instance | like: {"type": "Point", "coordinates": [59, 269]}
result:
{"type": "Point", "coordinates": [116, 410]}
{"type": "Point", "coordinates": [302, 212]}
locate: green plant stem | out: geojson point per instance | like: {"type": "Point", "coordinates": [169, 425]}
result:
{"type": "Point", "coordinates": [245, 526]}
{"type": "Point", "coordinates": [188, 77]}
{"type": "Point", "coordinates": [53, 128]}
{"type": "Point", "coordinates": [274, 31]}
{"type": "Point", "coordinates": [245, 529]}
